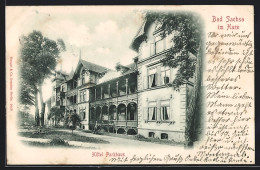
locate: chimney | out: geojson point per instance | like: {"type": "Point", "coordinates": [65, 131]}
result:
{"type": "Point", "coordinates": [136, 61]}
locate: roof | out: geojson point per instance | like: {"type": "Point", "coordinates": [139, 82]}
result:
{"type": "Point", "coordinates": [60, 76]}
{"type": "Point", "coordinates": [140, 35]}
{"type": "Point", "coordinates": [93, 67]}
{"type": "Point", "coordinates": [62, 72]}
{"type": "Point", "coordinates": [132, 68]}
{"type": "Point", "coordinates": [70, 75]}
{"type": "Point", "coordinates": [111, 74]}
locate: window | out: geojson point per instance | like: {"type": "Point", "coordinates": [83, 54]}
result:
{"type": "Point", "coordinates": [152, 78]}
{"type": "Point", "coordinates": [164, 136]}
{"type": "Point", "coordinates": [151, 134]}
{"type": "Point", "coordinates": [159, 46]}
{"type": "Point", "coordinates": [75, 99]}
{"type": "Point", "coordinates": [84, 95]}
{"type": "Point", "coordinates": [80, 96]}
{"type": "Point", "coordinates": [152, 111]}
{"type": "Point", "coordinates": [84, 113]}
{"type": "Point", "coordinates": [165, 110]}
{"type": "Point", "coordinates": [165, 75]}
{"type": "Point", "coordinates": [83, 78]}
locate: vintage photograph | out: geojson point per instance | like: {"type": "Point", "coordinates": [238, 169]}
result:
{"type": "Point", "coordinates": [152, 98]}
{"type": "Point", "coordinates": [99, 80]}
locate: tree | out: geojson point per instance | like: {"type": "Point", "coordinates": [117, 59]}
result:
{"type": "Point", "coordinates": [38, 58]}
{"type": "Point", "coordinates": [56, 113]}
{"type": "Point", "coordinates": [25, 119]}
{"type": "Point", "coordinates": [187, 40]}
{"type": "Point", "coordinates": [72, 120]}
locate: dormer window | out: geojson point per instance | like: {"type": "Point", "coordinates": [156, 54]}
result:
{"type": "Point", "coordinates": [83, 78]}
{"type": "Point", "coordinates": [158, 45]}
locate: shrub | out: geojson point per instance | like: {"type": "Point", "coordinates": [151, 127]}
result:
{"type": "Point", "coordinates": [138, 136]}
{"type": "Point", "coordinates": [58, 141]}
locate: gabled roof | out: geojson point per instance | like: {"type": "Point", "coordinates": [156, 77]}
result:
{"type": "Point", "coordinates": [93, 67]}
{"type": "Point", "coordinates": [111, 74]}
{"type": "Point", "coordinates": [70, 75]}
{"type": "Point", "coordinates": [60, 76]}
{"type": "Point", "coordinates": [131, 68]}
{"type": "Point", "coordinates": [62, 72]}
{"type": "Point", "coordinates": [140, 35]}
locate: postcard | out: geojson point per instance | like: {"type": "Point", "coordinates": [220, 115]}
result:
{"type": "Point", "coordinates": [135, 85]}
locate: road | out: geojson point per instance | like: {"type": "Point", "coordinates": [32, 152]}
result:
{"type": "Point", "coordinates": [114, 141]}
{"type": "Point", "coordinates": [117, 142]}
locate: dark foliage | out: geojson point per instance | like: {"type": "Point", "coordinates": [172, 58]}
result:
{"type": "Point", "coordinates": [38, 59]}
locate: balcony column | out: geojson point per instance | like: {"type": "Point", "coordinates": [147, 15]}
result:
{"type": "Point", "coordinates": [95, 94]}
{"type": "Point", "coordinates": [117, 91]}
{"type": "Point", "coordinates": [109, 95]}
{"type": "Point", "coordinates": [126, 86]}
{"type": "Point", "coordinates": [126, 116]}
{"type": "Point", "coordinates": [117, 113]}
{"type": "Point", "coordinates": [101, 115]}
{"type": "Point", "coordinates": [108, 115]}
{"type": "Point", "coordinates": [101, 92]}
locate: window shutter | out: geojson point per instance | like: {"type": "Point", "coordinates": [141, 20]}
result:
{"type": "Point", "coordinates": [159, 111]}
{"type": "Point", "coordinates": [145, 113]}
{"type": "Point", "coordinates": [156, 79]}
{"type": "Point", "coordinates": [161, 114]}
{"type": "Point", "coordinates": [145, 82]}
{"type": "Point", "coordinates": [159, 76]}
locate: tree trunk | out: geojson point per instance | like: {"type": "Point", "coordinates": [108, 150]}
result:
{"type": "Point", "coordinates": [42, 106]}
{"type": "Point", "coordinates": [37, 121]}
{"type": "Point", "coordinates": [193, 105]}
{"type": "Point", "coordinates": [42, 116]}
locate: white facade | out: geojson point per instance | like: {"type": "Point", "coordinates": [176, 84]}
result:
{"type": "Point", "coordinates": [161, 109]}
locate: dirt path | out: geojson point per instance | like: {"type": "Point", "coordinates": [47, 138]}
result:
{"type": "Point", "coordinates": [118, 142]}
{"type": "Point", "coordinates": [114, 142]}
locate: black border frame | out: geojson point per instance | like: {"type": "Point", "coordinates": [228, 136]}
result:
{"type": "Point", "coordinates": [132, 2]}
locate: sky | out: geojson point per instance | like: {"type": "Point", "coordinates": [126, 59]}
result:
{"type": "Point", "coordinates": [102, 35]}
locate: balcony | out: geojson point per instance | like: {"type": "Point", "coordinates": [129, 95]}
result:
{"type": "Point", "coordinates": [60, 104]}
{"type": "Point", "coordinates": [61, 95]}
{"type": "Point", "coordinates": [71, 92]}
{"type": "Point", "coordinates": [117, 123]}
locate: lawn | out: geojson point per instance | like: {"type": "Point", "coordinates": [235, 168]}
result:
{"type": "Point", "coordinates": [42, 144]}
{"type": "Point", "coordinates": [55, 134]}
